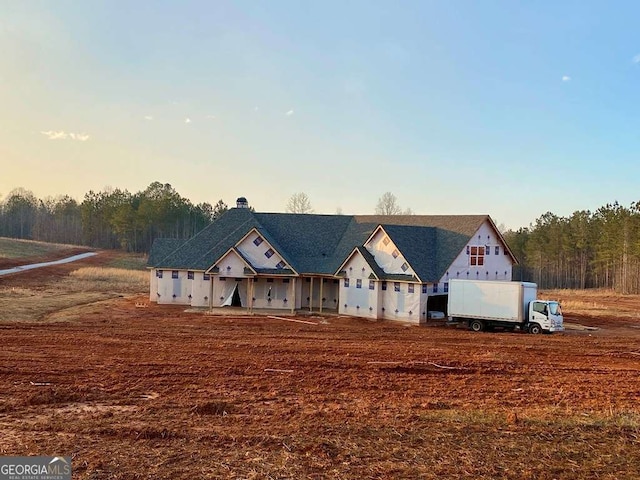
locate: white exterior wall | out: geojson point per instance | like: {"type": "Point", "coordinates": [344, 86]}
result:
{"type": "Point", "coordinates": [402, 305]}
{"type": "Point", "coordinates": [256, 254]}
{"type": "Point", "coordinates": [153, 286]}
{"type": "Point", "coordinates": [174, 290]}
{"type": "Point", "coordinates": [384, 254]}
{"type": "Point", "coordinates": [231, 265]}
{"type": "Point", "coordinates": [330, 294]}
{"type": "Point", "coordinates": [358, 302]}
{"type": "Point", "coordinates": [424, 298]}
{"type": "Point", "coordinates": [496, 267]}
{"type": "Point", "coordinates": [277, 290]}
{"type": "Point", "coordinates": [299, 298]}
{"type": "Point", "coordinates": [200, 290]}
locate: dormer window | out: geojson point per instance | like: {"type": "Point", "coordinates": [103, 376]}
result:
{"type": "Point", "coordinates": [404, 267]}
{"type": "Point", "coordinates": [257, 241]}
{"type": "Point", "coordinates": [269, 253]}
{"type": "Point", "coordinates": [281, 265]}
{"type": "Point", "coordinates": [395, 254]}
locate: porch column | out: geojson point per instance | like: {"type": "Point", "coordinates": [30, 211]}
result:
{"type": "Point", "coordinates": [210, 293]}
{"type": "Point", "coordinates": [311, 295]}
{"type": "Point", "coordinates": [250, 295]}
{"type": "Point", "coordinates": [293, 295]}
{"type": "Point", "coordinates": [321, 287]}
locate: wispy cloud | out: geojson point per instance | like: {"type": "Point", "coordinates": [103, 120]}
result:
{"type": "Point", "coordinates": [62, 135]}
{"type": "Point", "coordinates": [82, 137]}
{"type": "Point", "coordinates": [636, 59]}
{"type": "Point", "coordinates": [289, 113]}
{"type": "Point", "coordinates": [148, 117]}
{"type": "Point", "coordinates": [566, 78]}
{"type": "Point", "coordinates": [187, 120]}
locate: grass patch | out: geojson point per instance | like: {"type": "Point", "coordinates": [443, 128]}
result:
{"type": "Point", "coordinates": [594, 302]}
{"type": "Point", "coordinates": [83, 286]}
{"type": "Point", "coordinates": [129, 262]}
{"type": "Point", "coordinates": [15, 248]}
{"type": "Point", "coordinates": [108, 279]}
{"type": "Point", "coordinates": [55, 395]}
{"type": "Point", "coordinates": [24, 305]}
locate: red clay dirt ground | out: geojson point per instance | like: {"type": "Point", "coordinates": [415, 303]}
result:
{"type": "Point", "coordinates": [159, 393]}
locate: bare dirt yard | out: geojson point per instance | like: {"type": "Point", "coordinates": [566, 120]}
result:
{"type": "Point", "coordinates": [155, 392]}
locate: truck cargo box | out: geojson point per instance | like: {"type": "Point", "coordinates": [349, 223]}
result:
{"type": "Point", "coordinates": [490, 300]}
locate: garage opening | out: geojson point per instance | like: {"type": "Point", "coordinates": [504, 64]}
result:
{"type": "Point", "coordinates": [437, 303]}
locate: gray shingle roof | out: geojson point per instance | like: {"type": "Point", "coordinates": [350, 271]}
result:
{"type": "Point", "coordinates": [202, 250]}
{"type": "Point", "coordinates": [319, 244]}
{"type": "Point", "coordinates": [381, 274]}
{"type": "Point", "coordinates": [429, 250]}
{"type": "Point", "coordinates": [310, 241]}
{"type": "Point", "coordinates": [162, 247]}
{"type": "Point", "coordinates": [462, 224]}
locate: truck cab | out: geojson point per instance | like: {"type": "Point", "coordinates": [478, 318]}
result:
{"type": "Point", "coordinates": [545, 316]}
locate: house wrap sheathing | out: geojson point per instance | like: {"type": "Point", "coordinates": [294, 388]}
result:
{"type": "Point", "coordinates": [379, 267]}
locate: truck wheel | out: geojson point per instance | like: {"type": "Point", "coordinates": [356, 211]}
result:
{"type": "Point", "coordinates": [535, 329]}
{"type": "Point", "coordinates": [477, 326]}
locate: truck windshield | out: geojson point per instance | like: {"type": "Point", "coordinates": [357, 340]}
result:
{"type": "Point", "coordinates": [554, 308]}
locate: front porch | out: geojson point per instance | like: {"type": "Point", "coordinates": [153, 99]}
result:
{"type": "Point", "coordinates": [273, 293]}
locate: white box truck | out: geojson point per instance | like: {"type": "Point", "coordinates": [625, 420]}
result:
{"type": "Point", "coordinates": [484, 304]}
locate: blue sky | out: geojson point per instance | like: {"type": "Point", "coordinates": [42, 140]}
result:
{"type": "Point", "coordinates": [457, 107]}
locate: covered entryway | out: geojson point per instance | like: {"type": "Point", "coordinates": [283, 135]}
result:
{"type": "Point", "coordinates": [318, 294]}
{"type": "Point", "coordinates": [233, 298]}
{"type": "Point", "coordinates": [229, 292]}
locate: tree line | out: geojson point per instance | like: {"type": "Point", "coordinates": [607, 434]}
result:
{"type": "Point", "coordinates": [112, 218]}
{"type": "Point", "coordinates": [598, 249]}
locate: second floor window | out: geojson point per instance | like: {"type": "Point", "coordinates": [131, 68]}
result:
{"type": "Point", "coordinates": [476, 256]}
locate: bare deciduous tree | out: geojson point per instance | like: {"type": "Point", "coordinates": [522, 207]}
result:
{"type": "Point", "coordinates": [299, 203]}
{"type": "Point", "coordinates": [388, 205]}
